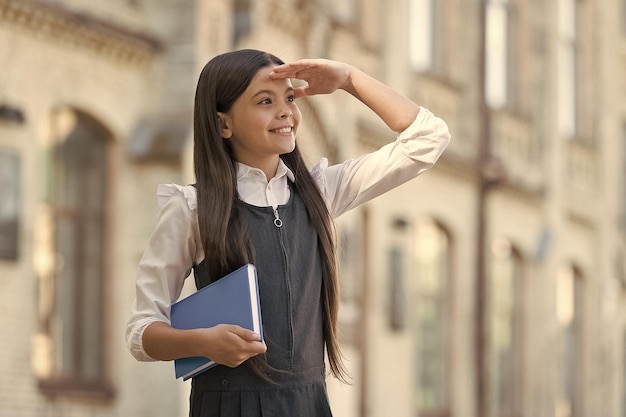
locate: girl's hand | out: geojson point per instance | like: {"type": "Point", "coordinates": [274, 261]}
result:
{"type": "Point", "coordinates": [232, 345]}
{"type": "Point", "coordinates": [322, 76]}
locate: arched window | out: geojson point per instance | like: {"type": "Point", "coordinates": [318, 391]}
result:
{"type": "Point", "coordinates": [505, 315]}
{"type": "Point", "coordinates": [71, 355]}
{"type": "Point", "coordinates": [569, 313]}
{"type": "Point", "coordinates": [432, 307]}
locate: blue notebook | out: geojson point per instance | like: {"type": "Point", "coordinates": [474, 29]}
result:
{"type": "Point", "coordinates": [233, 299]}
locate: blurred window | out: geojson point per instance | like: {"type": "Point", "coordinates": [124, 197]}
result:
{"type": "Point", "coordinates": [432, 307]}
{"type": "Point", "coordinates": [427, 36]}
{"type": "Point", "coordinates": [569, 307]}
{"type": "Point", "coordinates": [505, 330]}
{"type": "Point", "coordinates": [624, 373]}
{"type": "Point", "coordinates": [10, 205]}
{"type": "Point", "coordinates": [623, 190]}
{"type": "Point", "coordinates": [397, 273]}
{"type": "Point", "coordinates": [242, 20]}
{"type": "Point", "coordinates": [501, 53]}
{"type": "Point", "coordinates": [567, 62]}
{"type": "Point", "coordinates": [72, 289]}
{"type": "Point", "coordinates": [395, 261]}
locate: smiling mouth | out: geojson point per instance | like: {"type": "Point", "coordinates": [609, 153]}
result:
{"type": "Point", "coordinates": [287, 129]}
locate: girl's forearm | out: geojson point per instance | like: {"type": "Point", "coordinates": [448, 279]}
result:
{"type": "Point", "coordinates": [226, 344]}
{"type": "Point", "coordinates": [165, 343]}
{"type": "Point", "coordinates": [396, 110]}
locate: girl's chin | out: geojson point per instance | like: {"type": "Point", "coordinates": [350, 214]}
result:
{"type": "Point", "coordinates": [288, 148]}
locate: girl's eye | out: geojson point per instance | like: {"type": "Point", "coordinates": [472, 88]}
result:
{"type": "Point", "coordinates": [265, 101]}
{"type": "Point", "coordinates": [291, 98]}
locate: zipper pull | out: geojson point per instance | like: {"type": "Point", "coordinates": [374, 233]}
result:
{"type": "Point", "coordinates": [277, 221]}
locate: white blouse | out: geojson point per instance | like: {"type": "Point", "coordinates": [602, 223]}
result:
{"type": "Point", "coordinates": [175, 244]}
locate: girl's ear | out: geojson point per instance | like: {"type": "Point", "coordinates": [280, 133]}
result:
{"type": "Point", "coordinates": [225, 125]}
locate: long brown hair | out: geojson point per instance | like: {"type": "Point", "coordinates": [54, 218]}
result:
{"type": "Point", "coordinates": [226, 245]}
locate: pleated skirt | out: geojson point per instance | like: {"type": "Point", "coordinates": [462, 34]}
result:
{"type": "Point", "coordinates": [227, 394]}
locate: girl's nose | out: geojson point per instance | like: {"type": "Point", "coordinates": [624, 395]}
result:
{"type": "Point", "coordinates": [284, 113]}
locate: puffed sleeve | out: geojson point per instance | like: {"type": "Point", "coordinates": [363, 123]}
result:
{"type": "Point", "coordinates": [168, 258]}
{"type": "Point", "coordinates": [349, 184]}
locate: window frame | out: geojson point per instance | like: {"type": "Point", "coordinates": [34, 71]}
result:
{"type": "Point", "coordinates": [446, 297]}
{"type": "Point", "coordinates": [504, 250]}
{"type": "Point", "coordinates": [85, 376]}
{"type": "Point", "coordinates": [568, 56]}
{"type": "Point", "coordinates": [505, 46]}
{"type": "Point", "coordinates": [571, 337]}
{"type": "Point", "coordinates": [428, 37]}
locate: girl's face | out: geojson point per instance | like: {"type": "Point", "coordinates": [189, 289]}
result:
{"type": "Point", "coordinates": [262, 123]}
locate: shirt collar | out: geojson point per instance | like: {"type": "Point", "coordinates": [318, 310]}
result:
{"type": "Point", "coordinates": [246, 171]}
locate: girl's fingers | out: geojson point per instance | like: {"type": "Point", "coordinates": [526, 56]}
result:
{"type": "Point", "coordinates": [301, 69]}
{"type": "Point", "coordinates": [295, 65]}
{"type": "Point", "coordinates": [322, 76]}
{"type": "Point", "coordinates": [290, 71]}
{"type": "Point", "coordinates": [245, 333]}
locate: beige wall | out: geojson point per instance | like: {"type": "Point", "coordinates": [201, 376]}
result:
{"type": "Point", "coordinates": [148, 70]}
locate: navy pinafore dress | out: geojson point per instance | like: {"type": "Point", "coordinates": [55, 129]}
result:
{"type": "Point", "coordinates": [290, 288]}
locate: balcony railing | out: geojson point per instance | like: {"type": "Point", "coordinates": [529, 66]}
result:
{"type": "Point", "coordinates": [517, 148]}
{"type": "Point", "coordinates": [581, 178]}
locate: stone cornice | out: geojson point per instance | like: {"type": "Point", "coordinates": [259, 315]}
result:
{"type": "Point", "coordinates": [57, 23]}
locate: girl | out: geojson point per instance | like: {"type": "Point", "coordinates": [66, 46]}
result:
{"type": "Point", "coordinates": [255, 201]}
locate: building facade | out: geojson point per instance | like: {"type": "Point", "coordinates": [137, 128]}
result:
{"type": "Point", "coordinates": [492, 286]}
